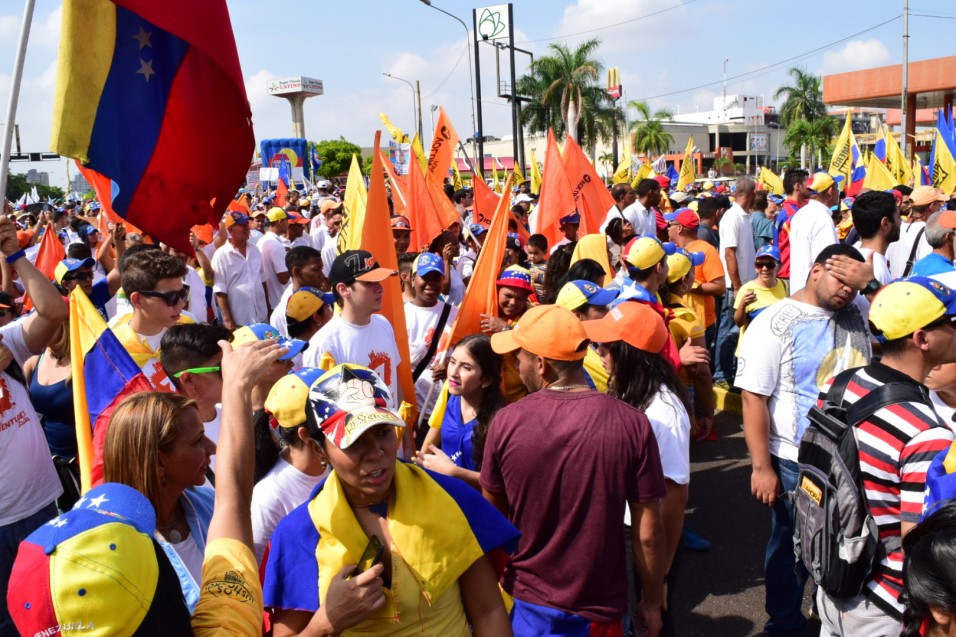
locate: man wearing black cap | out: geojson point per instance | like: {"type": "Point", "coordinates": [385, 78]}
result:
{"type": "Point", "coordinates": [357, 334]}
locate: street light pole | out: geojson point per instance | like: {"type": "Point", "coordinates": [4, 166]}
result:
{"type": "Point", "coordinates": [416, 104]}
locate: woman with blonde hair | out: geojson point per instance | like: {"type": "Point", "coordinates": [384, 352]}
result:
{"type": "Point", "coordinates": [157, 445]}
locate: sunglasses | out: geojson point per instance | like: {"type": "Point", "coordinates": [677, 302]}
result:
{"type": "Point", "coordinates": [171, 298]}
{"type": "Point", "coordinates": [765, 265]}
{"type": "Point", "coordinates": [941, 322]}
{"type": "Point", "coordinates": [198, 370]}
{"type": "Point", "coordinates": [79, 276]}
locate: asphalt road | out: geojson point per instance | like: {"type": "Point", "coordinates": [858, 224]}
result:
{"type": "Point", "coordinates": [720, 592]}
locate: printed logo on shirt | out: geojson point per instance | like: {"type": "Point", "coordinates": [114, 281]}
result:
{"type": "Point", "coordinates": [6, 398]}
{"type": "Point", "coordinates": [231, 585]}
{"type": "Point", "coordinates": [381, 364]}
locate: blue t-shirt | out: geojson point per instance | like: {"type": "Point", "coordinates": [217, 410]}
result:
{"type": "Point", "coordinates": [101, 296]}
{"type": "Point", "coordinates": [932, 264]}
{"type": "Point", "coordinates": [456, 436]}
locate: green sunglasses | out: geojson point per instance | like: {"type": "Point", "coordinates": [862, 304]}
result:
{"type": "Point", "coordinates": [198, 370]}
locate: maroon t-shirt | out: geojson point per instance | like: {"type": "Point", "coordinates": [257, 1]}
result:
{"type": "Point", "coordinates": [568, 462]}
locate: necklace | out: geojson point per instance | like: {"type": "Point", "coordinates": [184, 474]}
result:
{"type": "Point", "coordinates": [171, 534]}
{"type": "Point", "coordinates": [380, 508]}
{"type": "Point", "coordinates": [569, 387]}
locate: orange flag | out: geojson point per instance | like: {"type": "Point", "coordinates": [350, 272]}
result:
{"type": "Point", "coordinates": [486, 202]}
{"type": "Point", "coordinates": [422, 213]}
{"type": "Point", "coordinates": [49, 254]}
{"type": "Point", "coordinates": [399, 187]}
{"type": "Point", "coordinates": [104, 194]}
{"type": "Point", "coordinates": [590, 194]}
{"type": "Point", "coordinates": [377, 239]}
{"type": "Point", "coordinates": [282, 192]}
{"type": "Point", "coordinates": [443, 147]}
{"type": "Point", "coordinates": [446, 209]}
{"type": "Point", "coordinates": [556, 198]}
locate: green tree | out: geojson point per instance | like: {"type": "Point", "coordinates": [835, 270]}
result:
{"type": "Point", "coordinates": [803, 101]}
{"type": "Point", "coordinates": [814, 136]}
{"type": "Point", "coordinates": [650, 137]}
{"type": "Point", "coordinates": [607, 160]}
{"type": "Point", "coordinates": [17, 185]}
{"type": "Point", "coordinates": [336, 156]}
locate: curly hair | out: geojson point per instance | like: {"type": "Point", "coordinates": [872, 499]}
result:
{"type": "Point", "coordinates": [142, 271]}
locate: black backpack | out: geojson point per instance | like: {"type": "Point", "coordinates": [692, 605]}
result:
{"type": "Point", "coordinates": [835, 536]}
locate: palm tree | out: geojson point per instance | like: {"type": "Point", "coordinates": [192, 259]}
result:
{"type": "Point", "coordinates": [607, 160]}
{"type": "Point", "coordinates": [560, 86]}
{"type": "Point", "coordinates": [803, 100]}
{"type": "Point", "coordinates": [650, 137]}
{"type": "Point", "coordinates": [813, 136]}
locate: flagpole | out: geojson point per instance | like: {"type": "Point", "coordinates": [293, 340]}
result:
{"type": "Point", "coordinates": [15, 95]}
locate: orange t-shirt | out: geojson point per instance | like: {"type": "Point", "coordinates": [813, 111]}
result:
{"type": "Point", "coordinates": [712, 269]}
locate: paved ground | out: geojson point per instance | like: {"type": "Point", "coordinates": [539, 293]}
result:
{"type": "Point", "coordinates": [720, 592]}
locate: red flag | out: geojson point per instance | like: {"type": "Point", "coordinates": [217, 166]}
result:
{"type": "Point", "coordinates": [556, 198]}
{"type": "Point", "coordinates": [282, 192]}
{"type": "Point", "coordinates": [590, 194]}
{"type": "Point", "coordinates": [421, 211]}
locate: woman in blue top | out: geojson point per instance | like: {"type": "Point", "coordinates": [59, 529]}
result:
{"type": "Point", "coordinates": [456, 445]}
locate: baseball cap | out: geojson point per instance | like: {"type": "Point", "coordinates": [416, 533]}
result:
{"type": "Point", "coordinates": [276, 214]}
{"type": "Point", "coordinates": [324, 184]}
{"type": "Point", "coordinates": [288, 400]}
{"type": "Point", "coordinates": [401, 223]}
{"type": "Point", "coordinates": [68, 266]}
{"type": "Point", "coordinates": [685, 217]}
{"type": "Point", "coordinates": [820, 182]}
{"type": "Point", "coordinates": [646, 252]}
{"type": "Point", "coordinates": [777, 199]}
{"type": "Point", "coordinates": [523, 198]}
{"type": "Point", "coordinates": [329, 204]}
{"type": "Point", "coordinates": [88, 230]}
{"type": "Point", "coordinates": [679, 197]}
{"type": "Point", "coordinates": [549, 331]}
{"type": "Point", "coordinates": [295, 217]}
{"type": "Point", "coordinates": [98, 564]}
{"type": "Point", "coordinates": [23, 237]}
{"type": "Point", "coordinates": [305, 302]}
{"type": "Point", "coordinates": [680, 263]}
{"type": "Point", "coordinates": [513, 241]}
{"type": "Point", "coordinates": [358, 265]}
{"type": "Point", "coordinates": [906, 305]}
{"type": "Point", "coordinates": [947, 219]}
{"type": "Point", "coordinates": [571, 218]}
{"type": "Point", "coordinates": [580, 292]}
{"type": "Point", "coordinates": [515, 277]}
{"type": "Point", "coordinates": [428, 262]}
{"type": "Point", "coordinates": [925, 195]}
{"type": "Point", "coordinates": [636, 324]}
{"type": "Point", "coordinates": [663, 180]}
{"type": "Point", "coordinates": [768, 251]}
{"type": "Point", "coordinates": [708, 185]}
{"type": "Point", "coordinates": [347, 401]}
{"type": "Point", "coordinates": [234, 217]}
{"type": "Point", "coordinates": [262, 331]}
{"type": "Point", "coordinates": [477, 229]}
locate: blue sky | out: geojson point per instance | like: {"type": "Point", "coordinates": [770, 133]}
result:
{"type": "Point", "coordinates": [668, 50]}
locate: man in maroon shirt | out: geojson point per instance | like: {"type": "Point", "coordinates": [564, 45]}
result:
{"type": "Point", "coordinates": [562, 464]}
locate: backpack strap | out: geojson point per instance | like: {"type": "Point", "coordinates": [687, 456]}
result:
{"type": "Point", "coordinates": [423, 364]}
{"type": "Point", "coordinates": [912, 259]}
{"type": "Point", "coordinates": [884, 396]}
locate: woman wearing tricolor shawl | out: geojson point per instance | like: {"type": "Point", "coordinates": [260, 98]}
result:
{"type": "Point", "coordinates": [435, 577]}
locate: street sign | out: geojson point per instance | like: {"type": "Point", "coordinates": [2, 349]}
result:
{"type": "Point", "coordinates": [34, 157]}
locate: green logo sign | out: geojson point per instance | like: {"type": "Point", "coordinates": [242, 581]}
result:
{"type": "Point", "coordinates": [490, 24]}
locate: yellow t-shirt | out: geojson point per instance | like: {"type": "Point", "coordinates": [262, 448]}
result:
{"type": "Point", "coordinates": [684, 325]}
{"type": "Point", "coordinates": [765, 298]}
{"type": "Point", "coordinates": [230, 599]}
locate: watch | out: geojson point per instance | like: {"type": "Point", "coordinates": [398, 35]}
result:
{"type": "Point", "coordinates": [872, 287]}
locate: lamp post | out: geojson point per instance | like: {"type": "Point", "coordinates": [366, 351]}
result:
{"type": "Point", "coordinates": [416, 103]}
{"type": "Point", "coordinates": [471, 77]}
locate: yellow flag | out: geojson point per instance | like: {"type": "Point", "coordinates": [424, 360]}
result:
{"type": "Point", "coordinates": [518, 176]}
{"type": "Point", "coordinates": [353, 213]}
{"type": "Point", "coordinates": [420, 153]}
{"type": "Point", "coordinates": [842, 161]}
{"type": "Point", "coordinates": [769, 179]}
{"type": "Point", "coordinates": [877, 176]}
{"type": "Point", "coordinates": [456, 176]}
{"type": "Point", "coordinates": [687, 174]}
{"type": "Point", "coordinates": [623, 173]}
{"type": "Point", "coordinates": [943, 170]}
{"type": "Point", "coordinates": [535, 175]}
{"type": "Point", "coordinates": [495, 181]}
{"type": "Point", "coordinates": [393, 130]}
{"type": "Point", "coordinates": [896, 161]}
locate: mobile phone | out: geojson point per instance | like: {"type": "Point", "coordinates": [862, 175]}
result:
{"type": "Point", "coordinates": [371, 556]}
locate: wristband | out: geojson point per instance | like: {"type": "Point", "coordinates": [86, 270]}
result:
{"type": "Point", "coordinates": [16, 255]}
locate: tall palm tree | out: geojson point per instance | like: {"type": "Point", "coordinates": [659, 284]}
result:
{"type": "Point", "coordinates": [803, 100]}
{"type": "Point", "coordinates": [607, 159]}
{"type": "Point", "coordinates": [650, 137]}
{"type": "Point", "coordinates": [813, 136]}
{"type": "Point", "coordinates": [559, 84]}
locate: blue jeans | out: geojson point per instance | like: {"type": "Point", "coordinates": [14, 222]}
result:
{"type": "Point", "coordinates": [727, 334]}
{"type": "Point", "coordinates": [784, 577]}
{"type": "Point", "coordinates": [10, 537]}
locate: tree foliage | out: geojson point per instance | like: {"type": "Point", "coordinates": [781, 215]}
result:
{"type": "Point", "coordinates": [650, 137]}
{"type": "Point", "coordinates": [17, 185]}
{"type": "Point", "coordinates": [802, 100]}
{"type": "Point", "coordinates": [813, 136]}
{"type": "Point", "coordinates": [336, 156]}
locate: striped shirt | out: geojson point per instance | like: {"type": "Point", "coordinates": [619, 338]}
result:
{"type": "Point", "coordinates": [896, 446]}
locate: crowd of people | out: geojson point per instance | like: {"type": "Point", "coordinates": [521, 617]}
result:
{"type": "Point", "coordinates": [270, 484]}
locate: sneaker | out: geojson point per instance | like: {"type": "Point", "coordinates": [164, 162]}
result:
{"type": "Point", "coordinates": [694, 542]}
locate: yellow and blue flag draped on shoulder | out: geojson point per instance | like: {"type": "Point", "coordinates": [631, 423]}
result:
{"type": "Point", "coordinates": [687, 173]}
{"type": "Point", "coordinates": [103, 375]}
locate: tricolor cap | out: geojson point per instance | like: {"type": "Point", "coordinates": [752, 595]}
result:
{"type": "Point", "coordinates": [276, 214]}
{"type": "Point", "coordinates": [262, 331]}
{"type": "Point", "coordinates": [776, 199]}
{"type": "Point", "coordinates": [97, 569]}
{"type": "Point", "coordinates": [821, 182]}
{"type": "Point", "coordinates": [580, 292]}
{"type": "Point", "coordinates": [67, 266]}
{"type": "Point", "coordinates": [295, 217]}
{"type": "Point", "coordinates": [549, 331]}
{"type": "Point", "coordinates": [347, 401]}
{"type": "Point", "coordinates": [768, 252]}
{"type": "Point", "coordinates": [428, 262]}
{"type": "Point", "coordinates": [645, 252]}
{"type": "Point", "coordinates": [288, 400]}
{"type": "Point", "coordinates": [358, 265]}
{"type": "Point", "coordinates": [236, 218]}
{"type": "Point", "coordinates": [681, 262]}
{"type": "Point", "coordinates": [571, 218]}
{"type": "Point", "coordinates": [477, 229]}
{"type": "Point", "coordinates": [305, 302]}
{"type": "Point", "coordinates": [515, 277]}
{"type": "Point", "coordinates": [637, 324]}
{"type": "Point", "coordinates": [906, 305]}
{"type": "Point", "coordinates": [401, 223]}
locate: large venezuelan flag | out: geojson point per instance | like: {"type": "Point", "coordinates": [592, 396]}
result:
{"type": "Point", "coordinates": [103, 375]}
{"type": "Point", "coordinates": [150, 96]}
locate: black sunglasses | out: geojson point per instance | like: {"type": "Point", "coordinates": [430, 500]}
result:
{"type": "Point", "coordinates": [79, 276]}
{"type": "Point", "coordinates": [171, 298]}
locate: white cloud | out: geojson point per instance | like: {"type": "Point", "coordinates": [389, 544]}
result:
{"type": "Point", "coordinates": [856, 55]}
{"type": "Point", "coordinates": [589, 19]}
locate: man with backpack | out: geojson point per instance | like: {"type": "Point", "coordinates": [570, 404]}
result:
{"type": "Point", "coordinates": [787, 354]}
{"type": "Point", "coordinates": [896, 437]}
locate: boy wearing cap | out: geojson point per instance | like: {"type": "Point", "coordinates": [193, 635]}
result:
{"type": "Point", "coordinates": [304, 264]}
{"type": "Point", "coordinates": [428, 320]}
{"type": "Point", "coordinates": [588, 301]}
{"type": "Point", "coordinates": [789, 352]}
{"type": "Point", "coordinates": [239, 286]}
{"type": "Point", "coordinates": [401, 234]}
{"type": "Point", "coordinates": [569, 225]}
{"type": "Point", "coordinates": [812, 229]}
{"type": "Point", "coordinates": [307, 310]}
{"type": "Point", "coordinates": [569, 567]}
{"type": "Point", "coordinates": [295, 233]}
{"type": "Point", "coordinates": [357, 334]}
{"type": "Point", "coordinates": [913, 319]}
{"type": "Point", "coordinates": [274, 247]}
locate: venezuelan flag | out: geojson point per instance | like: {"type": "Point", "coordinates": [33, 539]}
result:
{"type": "Point", "coordinates": [103, 375]}
{"type": "Point", "coordinates": [150, 96]}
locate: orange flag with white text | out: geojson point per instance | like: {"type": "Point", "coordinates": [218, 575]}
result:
{"type": "Point", "coordinates": [486, 202]}
{"type": "Point", "coordinates": [591, 195]}
{"type": "Point", "coordinates": [421, 211]}
{"type": "Point", "coordinates": [442, 151]}
{"type": "Point", "coordinates": [556, 199]}
{"type": "Point", "coordinates": [399, 187]}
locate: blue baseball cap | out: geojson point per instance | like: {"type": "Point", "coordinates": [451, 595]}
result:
{"type": "Point", "coordinates": [477, 229]}
{"type": "Point", "coordinates": [768, 251]}
{"type": "Point", "coordinates": [428, 262]}
{"type": "Point", "coordinates": [777, 199]}
{"type": "Point", "coordinates": [580, 292]}
{"type": "Point", "coordinates": [263, 331]}
{"type": "Point", "coordinates": [571, 218]}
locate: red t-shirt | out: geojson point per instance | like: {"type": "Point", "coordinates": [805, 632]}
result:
{"type": "Point", "coordinates": [787, 210]}
{"type": "Point", "coordinates": [568, 462]}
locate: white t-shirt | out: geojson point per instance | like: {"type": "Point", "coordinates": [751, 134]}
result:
{"type": "Point", "coordinates": [736, 231]}
{"type": "Point", "coordinates": [613, 213]}
{"type": "Point", "coordinates": [944, 411]}
{"type": "Point", "coordinates": [371, 346]}
{"type": "Point", "coordinates": [319, 234]}
{"type": "Point", "coordinates": [788, 353]}
{"type": "Point", "coordinates": [643, 219]}
{"type": "Point", "coordinates": [899, 251]}
{"type": "Point", "coordinates": [240, 277]}
{"type": "Point", "coordinates": [192, 556]}
{"type": "Point", "coordinates": [277, 319]}
{"type": "Point", "coordinates": [212, 432]}
{"type": "Point", "coordinates": [811, 230]}
{"type": "Point", "coordinates": [328, 256]}
{"type": "Point", "coordinates": [198, 306]}
{"type": "Point", "coordinates": [26, 469]}
{"type": "Point", "coordinates": [281, 490]}
{"type": "Point", "coordinates": [881, 273]}
{"type": "Point", "coordinates": [273, 249]}
{"type": "Point", "coordinates": [456, 289]}
{"type": "Point", "coordinates": [421, 323]}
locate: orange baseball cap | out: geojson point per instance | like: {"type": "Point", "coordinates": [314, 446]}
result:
{"type": "Point", "coordinates": [634, 323]}
{"type": "Point", "coordinates": [549, 331]}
